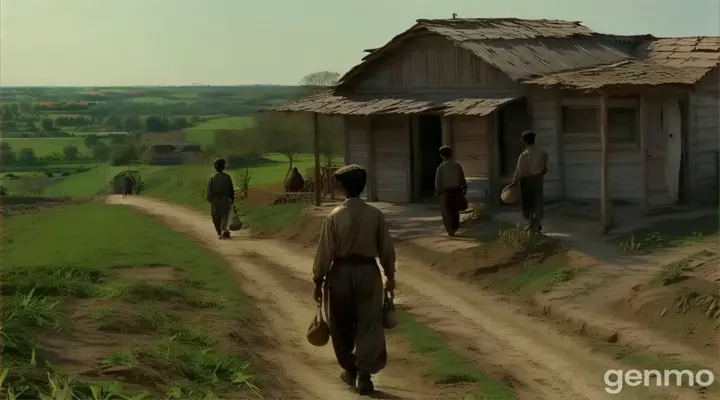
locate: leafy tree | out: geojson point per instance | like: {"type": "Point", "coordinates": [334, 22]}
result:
{"type": "Point", "coordinates": [100, 151]}
{"type": "Point", "coordinates": [180, 123]}
{"type": "Point", "coordinates": [156, 124]}
{"type": "Point", "coordinates": [27, 156]}
{"type": "Point", "coordinates": [7, 155]}
{"type": "Point", "coordinates": [71, 152]}
{"type": "Point", "coordinates": [123, 154]}
{"type": "Point", "coordinates": [48, 125]}
{"type": "Point", "coordinates": [133, 123]}
{"type": "Point", "coordinates": [91, 140]}
{"type": "Point", "coordinates": [284, 134]}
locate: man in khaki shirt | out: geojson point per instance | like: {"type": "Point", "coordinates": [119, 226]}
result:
{"type": "Point", "coordinates": [530, 174]}
{"type": "Point", "coordinates": [352, 235]}
{"type": "Point", "coordinates": [451, 186]}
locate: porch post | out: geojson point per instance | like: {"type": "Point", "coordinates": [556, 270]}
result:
{"type": "Point", "coordinates": [604, 201]}
{"type": "Point", "coordinates": [316, 148]}
{"type": "Point", "coordinates": [642, 127]}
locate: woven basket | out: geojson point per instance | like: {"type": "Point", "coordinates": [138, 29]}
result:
{"type": "Point", "coordinates": [509, 195]}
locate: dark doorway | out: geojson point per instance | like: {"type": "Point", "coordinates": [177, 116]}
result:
{"type": "Point", "coordinates": [430, 139]}
{"type": "Point", "coordinates": [514, 118]}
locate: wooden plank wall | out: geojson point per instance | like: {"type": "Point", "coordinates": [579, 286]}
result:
{"type": "Point", "coordinates": [703, 137]}
{"type": "Point", "coordinates": [357, 132]}
{"type": "Point", "coordinates": [391, 135]}
{"type": "Point", "coordinates": [472, 147]}
{"type": "Point", "coordinates": [434, 65]}
{"type": "Point", "coordinates": [547, 125]}
{"type": "Point", "coordinates": [581, 166]}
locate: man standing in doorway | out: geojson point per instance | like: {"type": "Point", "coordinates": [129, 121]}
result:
{"type": "Point", "coordinates": [530, 175]}
{"type": "Point", "coordinates": [352, 235]}
{"type": "Point", "coordinates": [220, 195]}
{"type": "Point", "coordinates": [451, 186]}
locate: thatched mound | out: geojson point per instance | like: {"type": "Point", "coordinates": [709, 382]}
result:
{"type": "Point", "coordinates": [116, 184]}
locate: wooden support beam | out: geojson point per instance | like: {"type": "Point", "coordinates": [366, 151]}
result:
{"type": "Point", "coordinates": [316, 148]}
{"type": "Point", "coordinates": [604, 200]}
{"type": "Point", "coordinates": [642, 128]}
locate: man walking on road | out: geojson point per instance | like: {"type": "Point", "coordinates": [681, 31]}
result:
{"type": "Point", "coordinates": [451, 186]}
{"type": "Point", "coordinates": [352, 235]}
{"type": "Point", "coordinates": [530, 174]}
{"type": "Point", "coordinates": [220, 195]}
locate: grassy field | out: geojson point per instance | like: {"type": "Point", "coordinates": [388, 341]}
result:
{"type": "Point", "coordinates": [183, 184]}
{"type": "Point", "coordinates": [204, 133]}
{"type": "Point", "coordinates": [46, 146]}
{"type": "Point", "coordinates": [128, 303]}
{"type": "Point", "coordinates": [186, 184]}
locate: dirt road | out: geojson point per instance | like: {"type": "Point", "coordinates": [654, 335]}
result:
{"type": "Point", "coordinates": [541, 363]}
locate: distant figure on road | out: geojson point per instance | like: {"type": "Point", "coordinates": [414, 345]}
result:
{"type": "Point", "coordinates": [530, 175]}
{"type": "Point", "coordinates": [352, 235]}
{"type": "Point", "coordinates": [451, 186]}
{"type": "Point", "coordinates": [294, 182]}
{"type": "Point", "coordinates": [127, 186]}
{"type": "Point", "coordinates": [220, 195]}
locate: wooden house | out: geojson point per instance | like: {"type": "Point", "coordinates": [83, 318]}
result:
{"type": "Point", "coordinates": [595, 101]}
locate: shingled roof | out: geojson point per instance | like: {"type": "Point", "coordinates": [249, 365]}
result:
{"type": "Point", "coordinates": [628, 72]}
{"type": "Point", "coordinates": [334, 104]}
{"type": "Point", "coordinates": [694, 52]}
{"type": "Point", "coordinates": [521, 48]}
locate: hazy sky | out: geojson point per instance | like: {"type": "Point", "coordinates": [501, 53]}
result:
{"type": "Point", "coordinates": [176, 42]}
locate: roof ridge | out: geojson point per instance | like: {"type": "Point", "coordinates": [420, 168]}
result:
{"type": "Point", "coordinates": [421, 20]}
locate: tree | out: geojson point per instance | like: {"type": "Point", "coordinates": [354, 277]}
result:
{"type": "Point", "coordinates": [284, 134]}
{"type": "Point", "coordinates": [133, 123]}
{"type": "Point", "coordinates": [100, 151]}
{"type": "Point", "coordinates": [180, 123]}
{"type": "Point", "coordinates": [7, 155]}
{"type": "Point", "coordinates": [91, 140]}
{"type": "Point", "coordinates": [48, 125]}
{"type": "Point", "coordinates": [156, 124]}
{"type": "Point", "coordinates": [320, 81]}
{"type": "Point", "coordinates": [71, 152]}
{"type": "Point", "coordinates": [26, 156]}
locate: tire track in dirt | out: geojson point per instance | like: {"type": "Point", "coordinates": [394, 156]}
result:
{"type": "Point", "coordinates": [288, 312]}
{"type": "Point", "coordinates": [546, 364]}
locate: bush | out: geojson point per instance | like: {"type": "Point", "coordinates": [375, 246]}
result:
{"type": "Point", "coordinates": [48, 174]}
{"type": "Point", "coordinates": [123, 154]}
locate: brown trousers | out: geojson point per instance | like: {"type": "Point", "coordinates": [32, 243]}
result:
{"type": "Point", "coordinates": [531, 199]}
{"type": "Point", "coordinates": [450, 211]}
{"type": "Point", "coordinates": [354, 293]}
{"type": "Point", "coordinates": [220, 211]}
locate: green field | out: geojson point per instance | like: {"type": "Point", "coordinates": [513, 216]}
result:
{"type": "Point", "coordinates": [46, 146]}
{"type": "Point", "coordinates": [140, 286]}
{"type": "Point", "coordinates": [204, 133]}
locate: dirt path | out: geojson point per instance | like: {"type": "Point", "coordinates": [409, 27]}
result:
{"type": "Point", "coordinates": [541, 363]}
{"type": "Point", "coordinates": [288, 308]}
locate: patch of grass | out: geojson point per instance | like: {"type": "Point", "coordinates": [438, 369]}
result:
{"type": "Point", "coordinates": [519, 239]}
{"type": "Point", "coordinates": [670, 233]}
{"type": "Point", "coordinates": [533, 278]}
{"type": "Point", "coordinates": [446, 366]}
{"type": "Point", "coordinates": [41, 272]}
{"type": "Point", "coordinates": [46, 146]}
{"type": "Point", "coordinates": [672, 273]}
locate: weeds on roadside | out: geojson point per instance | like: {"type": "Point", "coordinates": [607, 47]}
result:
{"type": "Point", "coordinates": [519, 239]}
{"type": "Point", "coordinates": [630, 245]}
{"type": "Point", "coordinates": [21, 313]}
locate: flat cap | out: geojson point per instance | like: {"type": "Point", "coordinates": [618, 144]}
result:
{"type": "Point", "coordinates": [348, 168]}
